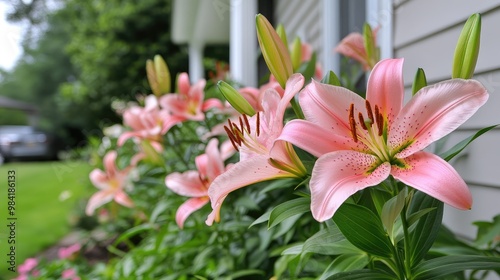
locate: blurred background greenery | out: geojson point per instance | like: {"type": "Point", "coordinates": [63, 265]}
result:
{"type": "Point", "coordinates": [80, 56]}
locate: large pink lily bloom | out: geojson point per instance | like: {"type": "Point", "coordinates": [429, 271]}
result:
{"type": "Point", "coordinates": [147, 123]}
{"type": "Point", "coordinates": [261, 157]}
{"type": "Point", "coordinates": [194, 183]}
{"type": "Point", "coordinates": [111, 183]}
{"type": "Point", "coordinates": [188, 104]}
{"type": "Point", "coordinates": [361, 142]}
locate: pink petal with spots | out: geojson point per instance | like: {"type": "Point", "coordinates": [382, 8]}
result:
{"type": "Point", "coordinates": [434, 112]}
{"type": "Point", "coordinates": [315, 139]}
{"type": "Point", "coordinates": [328, 106]}
{"type": "Point", "coordinates": [434, 176]}
{"type": "Point", "coordinates": [386, 88]}
{"type": "Point", "coordinates": [338, 175]}
{"type": "Point", "coordinates": [188, 207]}
{"type": "Point", "coordinates": [241, 174]}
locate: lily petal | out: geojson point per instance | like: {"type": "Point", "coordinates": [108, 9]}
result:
{"type": "Point", "coordinates": [385, 87]}
{"type": "Point", "coordinates": [328, 106]}
{"type": "Point", "coordinates": [186, 184]}
{"type": "Point", "coordinates": [99, 179]}
{"type": "Point", "coordinates": [434, 112]}
{"type": "Point", "coordinates": [241, 174]}
{"type": "Point", "coordinates": [183, 84]}
{"type": "Point", "coordinates": [188, 207]}
{"type": "Point", "coordinates": [98, 199]}
{"type": "Point", "coordinates": [110, 163]}
{"type": "Point", "coordinates": [338, 175]}
{"type": "Point", "coordinates": [314, 138]}
{"type": "Point", "coordinates": [123, 199]}
{"type": "Point", "coordinates": [434, 176]}
{"type": "Point", "coordinates": [215, 164]}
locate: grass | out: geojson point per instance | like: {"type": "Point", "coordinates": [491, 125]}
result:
{"type": "Point", "coordinates": [43, 215]}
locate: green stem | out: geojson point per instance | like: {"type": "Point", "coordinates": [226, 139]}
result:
{"type": "Point", "coordinates": [296, 108]}
{"type": "Point", "coordinates": [407, 244]}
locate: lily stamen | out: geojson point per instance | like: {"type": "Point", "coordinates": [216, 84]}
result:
{"type": "Point", "coordinates": [352, 122]}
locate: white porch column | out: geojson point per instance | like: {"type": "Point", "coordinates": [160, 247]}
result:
{"type": "Point", "coordinates": [331, 35]}
{"type": "Point", "coordinates": [243, 42]}
{"type": "Point", "coordinates": [195, 62]}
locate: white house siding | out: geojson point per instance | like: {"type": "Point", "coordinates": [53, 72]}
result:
{"type": "Point", "coordinates": [301, 18]}
{"type": "Point", "coordinates": [425, 34]}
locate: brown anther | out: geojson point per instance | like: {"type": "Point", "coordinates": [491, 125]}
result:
{"type": "Point", "coordinates": [352, 122]}
{"type": "Point", "coordinates": [380, 121]}
{"type": "Point", "coordinates": [242, 128]}
{"type": "Point", "coordinates": [258, 124]}
{"type": "Point", "coordinates": [231, 137]}
{"type": "Point", "coordinates": [369, 111]}
{"type": "Point", "coordinates": [246, 123]}
{"type": "Point", "coordinates": [362, 121]}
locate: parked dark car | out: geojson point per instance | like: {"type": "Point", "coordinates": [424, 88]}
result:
{"type": "Point", "coordinates": [26, 142]}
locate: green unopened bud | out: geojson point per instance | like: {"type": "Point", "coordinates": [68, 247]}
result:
{"type": "Point", "coordinates": [370, 45]}
{"type": "Point", "coordinates": [274, 51]}
{"type": "Point", "coordinates": [234, 98]}
{"type": "Point", "coordinates": [331, 79]}
{"type": "Point", "coordinates": [280, 29]}
{"type": "Point", "coordinates": [296, 53]}
{"type": "Point", "coordinates": [419, 82]}
{"type": "Point", "coordinates": [467, 49]}
{"type": "Point", "coordinates": [158, 75]}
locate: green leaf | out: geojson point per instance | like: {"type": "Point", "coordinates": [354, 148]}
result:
{"type": "Point", "coordinates": [455, 150]}
{"type": "Point", "coordinates": [344, 263]}
{"type": "Point", "coordinates": [419, 82]}
{"type": "Point", "coordinates": [363, 229]}
{"type": "Point", "coordinates": [288, 209]}
{"type": "Point", "coordinates": [391, 210]}
{"type": "Point", "coordinates": [442, 266]}
{"type": "Point", "coordinates": [261, 219]}
{"type": "Point", "coordinates": [245, 272]}
{"type": "Point", "coordinates": [363, 274]}
{"type": "Point", "coordinates": [331, 79]}
{"type": "Point", "coordinates": [427, 228]}
{"type": "Point", "coordinates": [487, 231]}
{"type": "Point", "coordinates": [329, 241]}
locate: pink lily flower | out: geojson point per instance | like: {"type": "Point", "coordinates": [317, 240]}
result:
{"type": "Point", "coordinates": [261, 158]}
{"type": "Point", "coordinates": [28, 265]}
{"type": "Point", "coordinates": [353, 47]}
{"type": "Point", "coordinates": [148, 122]}
{"type": "Point", "coordinates": [194, 183]}
{"type": "Point", "coordinates": [68, 252]}
{"type": "Point", "coordinates": [111, 182]}
{"type": "Point", "coordinates": [188, 104]}
{"type": "Point", "coordinates": [70, 273]}
{"type": "Point", "coordinates": [361, 142]}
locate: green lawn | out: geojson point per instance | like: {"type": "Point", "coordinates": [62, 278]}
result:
{"type": "Point", "coordinates": [42, 217]}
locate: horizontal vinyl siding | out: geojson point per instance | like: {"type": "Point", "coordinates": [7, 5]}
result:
{"type": "Point", "coordinates": [303, 19]}
{"type": "Point", "coordinates": [425, 35]}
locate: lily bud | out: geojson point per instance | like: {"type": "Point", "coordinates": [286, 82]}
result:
{"type": "Point", "coordinates": [280, 29]}
{"type": "Point", "coordinates": [331, 79]}
{"type": "Point", "coordinates": [235, 99]}
{"type": "Point", "coordinates": [372, 53]}
{"type": "Point", "coordinates": [296, 53]}
{"type": "Point", "coordinates": [274, 51]}
{"type": "Point", "coordinates": [158, 75]}
{"type": "Point", "coordinates": [467, 49]}
{"type": "Point", "coordinates": [419, 82]}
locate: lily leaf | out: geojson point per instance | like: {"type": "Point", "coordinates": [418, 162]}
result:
{"type": "Point", "coordinates": [363, 229]}
{"type": "Point", "coordinates": [363, 274]}
{"type": "Point", "coordinates": [331, 79]}
{"type": "Point", "coordinates": [419, 82]}
{"type": "Point", "coordinates": [427, 228]}
{"type": "Point", "coordinates": [288, 209]}
{"type": "Point", "coordinates": [455, 150]}
{"type": "Point", "coordinates": [344, 263]}
{"type": "Point", "coordinates": [442, 266]}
